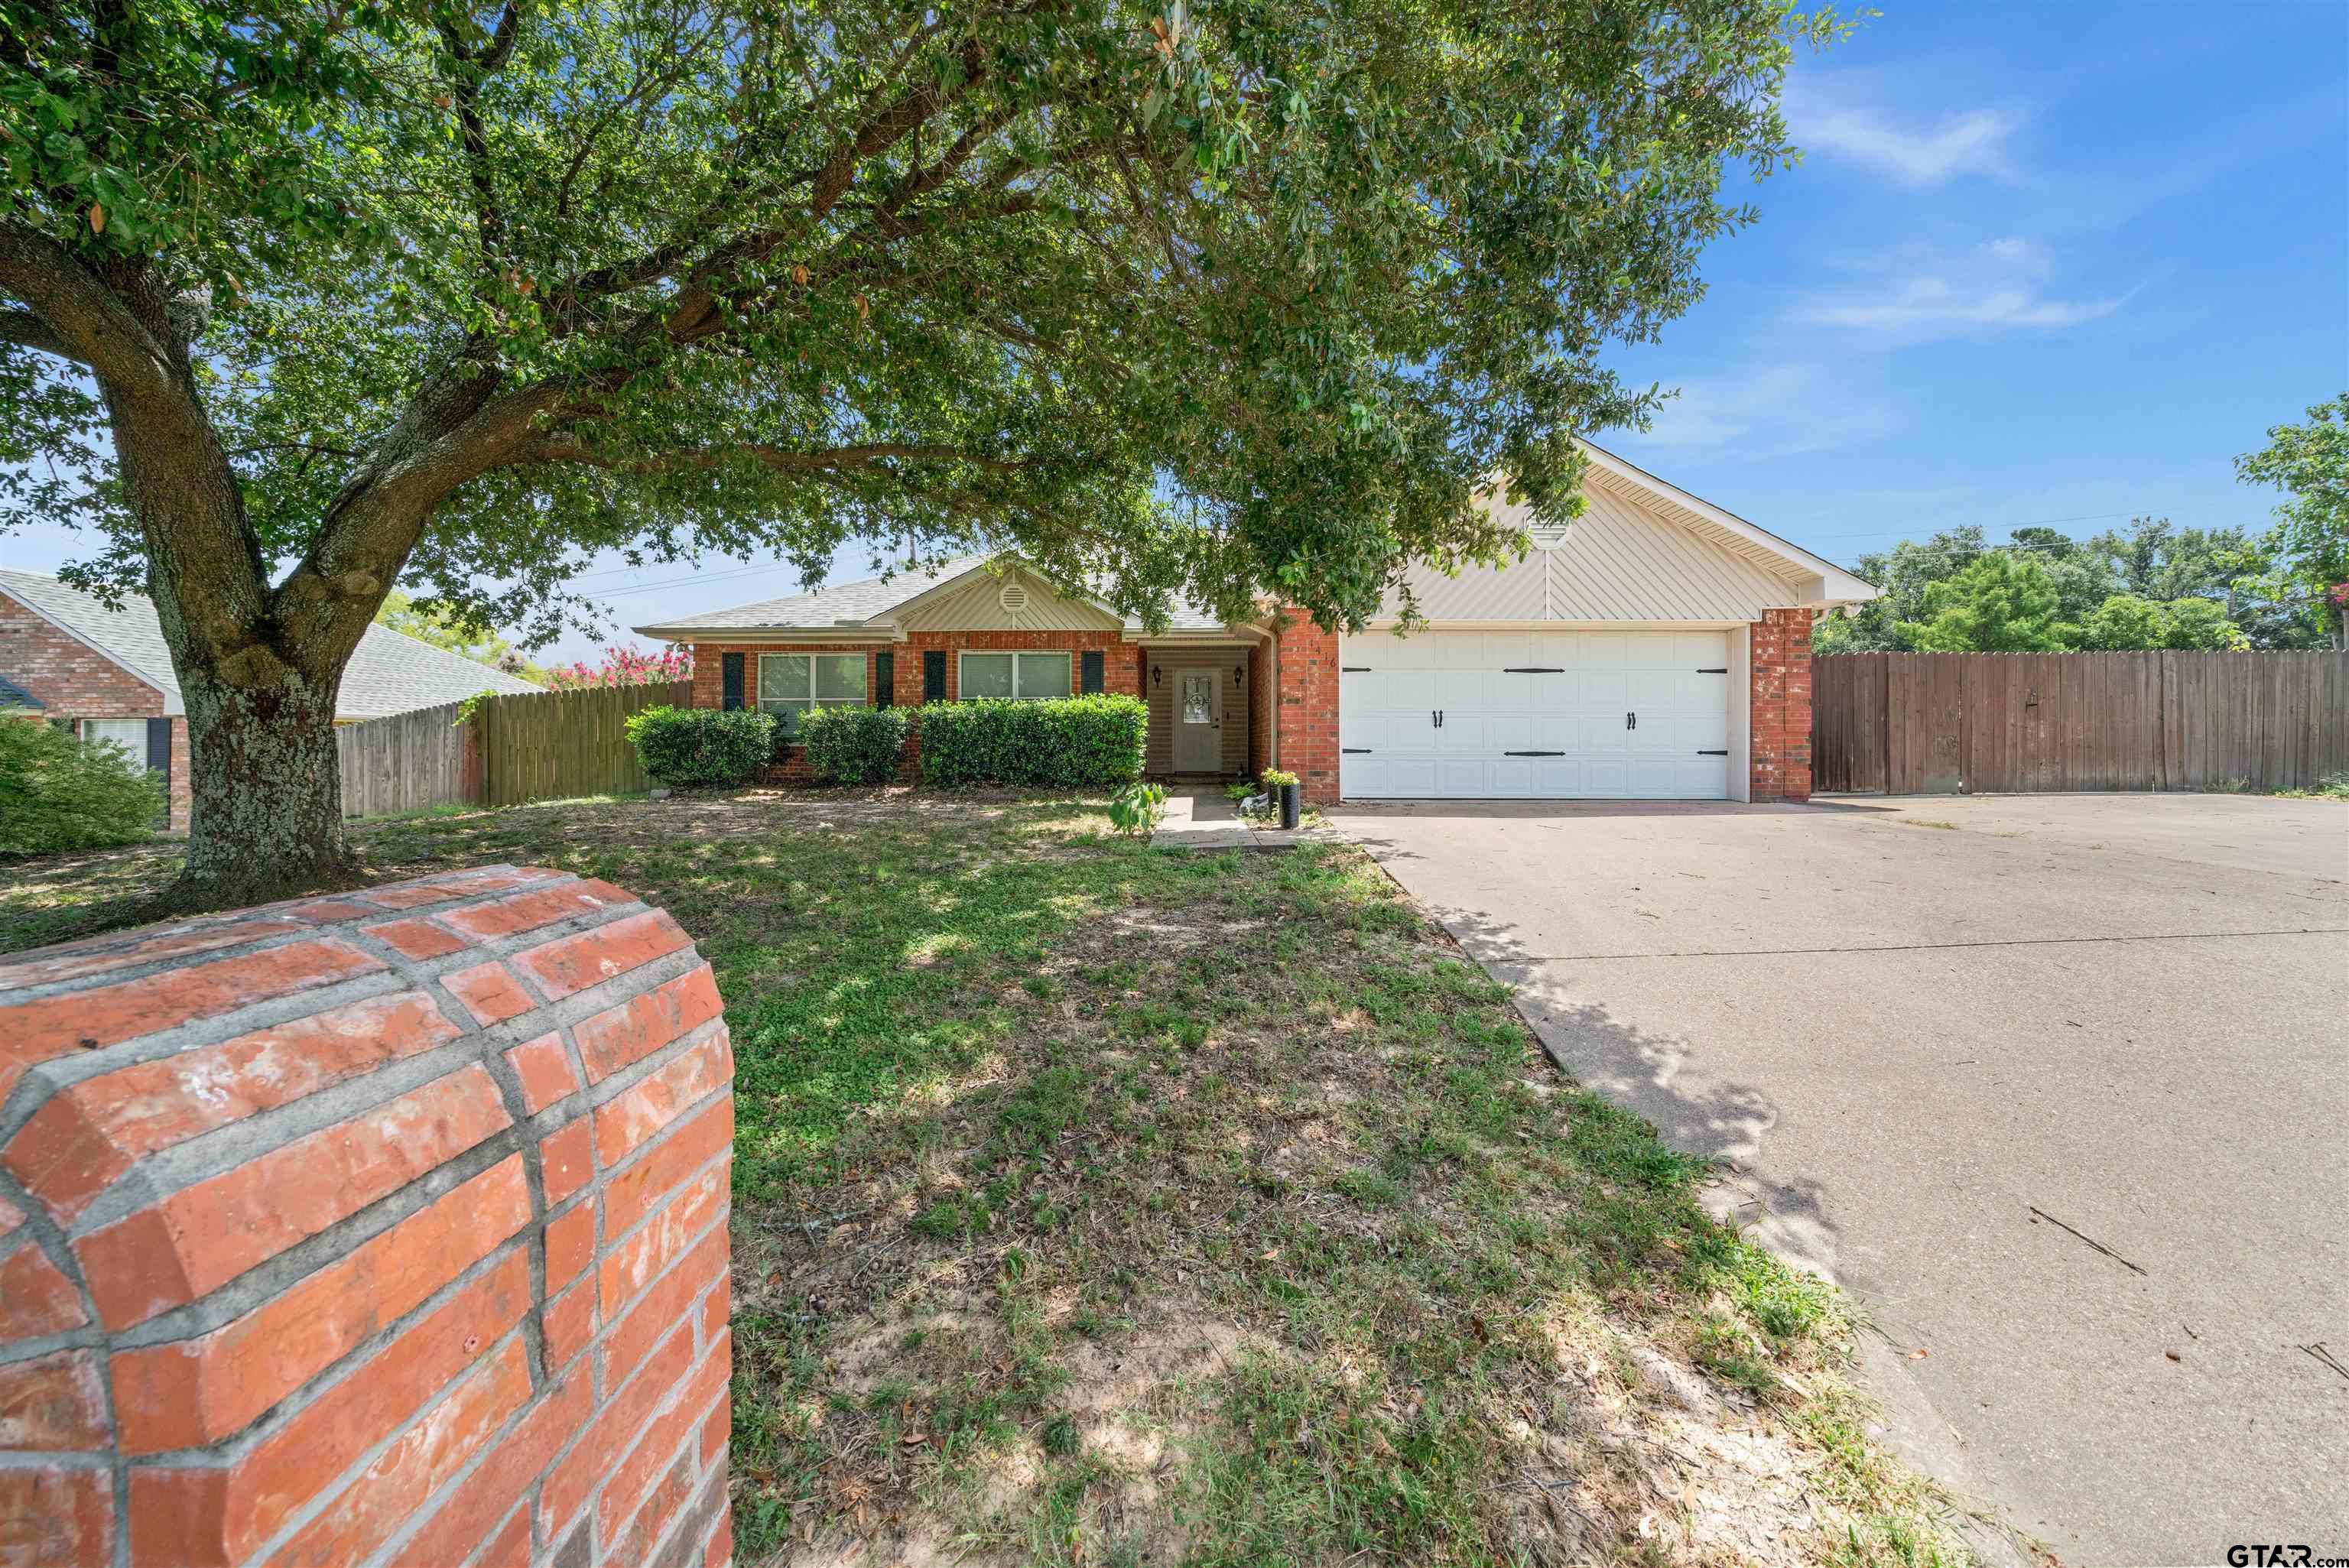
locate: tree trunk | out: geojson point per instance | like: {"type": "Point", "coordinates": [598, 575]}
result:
{"type": "Point", "coordinates": [267, 820]}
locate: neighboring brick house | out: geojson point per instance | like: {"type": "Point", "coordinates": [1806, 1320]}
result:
{"type": "Point", "coordinates": [108, 674]}
{"type": "Point", "coordinates": [1658, 647]}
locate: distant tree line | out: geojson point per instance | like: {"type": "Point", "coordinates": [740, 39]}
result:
{"type": "Point", "coordinates": [2152, 584]}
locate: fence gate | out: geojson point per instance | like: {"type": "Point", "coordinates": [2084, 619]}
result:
{"type": "Point", "coordinates": [1949, 724]}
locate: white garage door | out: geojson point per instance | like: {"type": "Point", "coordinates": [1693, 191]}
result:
{"type": "Point", "coordinates": [1535, 715]}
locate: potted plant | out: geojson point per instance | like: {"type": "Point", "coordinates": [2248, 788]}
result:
{"type": "Point", "coordinates": [1283, 783]}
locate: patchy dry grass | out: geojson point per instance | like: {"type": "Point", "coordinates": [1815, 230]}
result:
{"type": "Point", "coordinates": [1103, 1204]}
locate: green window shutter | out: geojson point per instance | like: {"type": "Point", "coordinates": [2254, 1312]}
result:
{"type": "Point", "coordinates": [885, 679]}
{"type": "Point", "coordinates": [934, 675]}
{"type": "Point", "coordinates": [729, 668]}
{"type": "Point", "coordinates": [1090, 672]}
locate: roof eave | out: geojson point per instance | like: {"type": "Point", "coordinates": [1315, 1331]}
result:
{"type": "Point", "coordinates": [1840, 587]}
{"type": "Point", "coordinates": [855, 632]}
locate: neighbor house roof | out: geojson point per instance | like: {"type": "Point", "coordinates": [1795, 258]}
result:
{"type": "Point", "coordinates": [14, 696]}
{"type": "Point", "coordinates": [389, 672]}
{"type": "Point", "coordinates": [868, 610]}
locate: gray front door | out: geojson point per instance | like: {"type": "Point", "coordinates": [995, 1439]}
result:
{"type": "Point", "coordinates": [1198, 722]}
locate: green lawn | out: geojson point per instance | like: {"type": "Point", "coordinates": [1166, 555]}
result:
{"type": "Point", "coordinates": [1102, 1203]}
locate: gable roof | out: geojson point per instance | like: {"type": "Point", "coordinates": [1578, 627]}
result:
{"type": "Point", "coordinates": [16, 698]}
{"type": "Point", "coordinates": [872, 610]}
{"type": "Point", "coordinates": [389, 672]}
{"type": "Point", "coordinates": [1642, 550]}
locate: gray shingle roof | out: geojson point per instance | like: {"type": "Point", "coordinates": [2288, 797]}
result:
{"type": "Point", "coordinates": [851, 602]}
{"type": "Point", "coordinates": [13, 696]}
{"type": "Point", "coordinates": [854, 604]}
{"type": "Point", "coordinates": [389, 671]}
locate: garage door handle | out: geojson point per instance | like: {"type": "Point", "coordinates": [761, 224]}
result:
{"type": "Point", "coordinates": [1631, 721]}
{"type": "Point", "coordinates": [1439, 718]}
{"type": "Point", "coordinates": [1533, 753]}
{"type": "Point", "coordinates": [1354, 750]}
{"type": "Point", "coordinates": [1712, 754]}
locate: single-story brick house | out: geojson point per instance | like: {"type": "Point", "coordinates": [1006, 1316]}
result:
{"type": "Point", "coordinates": [108, 674]}
{"type": "Point", "coordinates": [1657, 648]}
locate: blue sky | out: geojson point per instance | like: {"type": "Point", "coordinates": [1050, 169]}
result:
{"type": "Point", "coordinates": [2041, 264]}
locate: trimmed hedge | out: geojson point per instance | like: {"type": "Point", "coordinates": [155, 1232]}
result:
{"type": "Point", "coordinates": [1069, 743]}
{"type": "Point", "coordinates": [58, 794]}
{"type": "Point", "coordinates": [690, 748]}
{"type": "Point", "coordinates": [854, 745]}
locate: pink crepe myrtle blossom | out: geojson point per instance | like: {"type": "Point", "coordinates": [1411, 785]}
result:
{"type": "Point", "coordinates": [624, 665]}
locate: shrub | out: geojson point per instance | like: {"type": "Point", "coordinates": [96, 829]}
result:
{"type": "Point", "coordinates": [1276, 777]}
{"type": "Point", "coordinates": [854, 745]}
{"type": "Point", "coordinates": [1137, 808]}
{"type": "Point", "coordinates": [57, 794]}
{"type": "Point", "coordinates": [1070, 742]}
{"type": "Point", "coordinates": [690, 748]}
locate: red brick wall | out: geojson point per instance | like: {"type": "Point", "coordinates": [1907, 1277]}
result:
{"type": "Point", "coordinates": [1308, 706]}
{"type": "Point", "coordinates": [1260, 700]}
{"type": "Point", "coordinates": [382, 1228]}
{"type": "Point", "coordinates": [1781, 713]}
{"type": "Point", "coordinates": [73, 682]}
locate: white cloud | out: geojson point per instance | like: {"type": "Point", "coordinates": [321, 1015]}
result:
{"type": "Point", "coordinates": [1973, 142]}
{"type": "Point", "coordinates": [1769, 411]}
{"type": "Point", "coordinates": [1996, 286]}
{"type": "Point", "coordinates": [1937, 307]}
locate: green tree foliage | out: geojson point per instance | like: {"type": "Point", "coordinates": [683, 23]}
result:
{"type": "Point", "coordinates": [2181, 587]}
{"type": "Point", "coordinates": [2311, 541]}
{"type": "Point", "coordinates": [2127, 621]}
{"type": "Point", "coordinates": [311, 299]}
{"type": "Point", "coordinates": [58, 794]}
{"type": "Point", "coordinates": [443, 628]}
{"type": "Point", "coordinates": [2003, 602]}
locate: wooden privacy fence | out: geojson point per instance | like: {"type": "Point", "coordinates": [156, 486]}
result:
{"type": "Point", "coordinates": [401, 763]}
{"type": "Point", "coordinates": [527, 746]}
{"type": "Point", "coordinates": [1951, 724]}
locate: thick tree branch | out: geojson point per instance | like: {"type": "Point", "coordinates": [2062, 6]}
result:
{"type": "Point", "coordinates": [26, 330]}
{"type": "Point", "coordinates": [465, 92]}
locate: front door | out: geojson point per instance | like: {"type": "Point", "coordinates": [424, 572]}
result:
{"type": "Point", "coordinates": [1198, 722]}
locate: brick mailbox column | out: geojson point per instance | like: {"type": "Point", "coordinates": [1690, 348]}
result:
{"type": "Point", "coordinates": [385, 1229]}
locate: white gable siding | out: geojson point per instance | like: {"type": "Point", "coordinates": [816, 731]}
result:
{"type": "Point", "coordinates": [977, 606]}
{"type": "Point", "coordinates": [1617, 561]}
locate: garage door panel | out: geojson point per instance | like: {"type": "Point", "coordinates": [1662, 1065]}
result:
{"type": "Point", "coordinates": [1599, 688]}
{"type": "Point", "coordinates": [1510, 734]}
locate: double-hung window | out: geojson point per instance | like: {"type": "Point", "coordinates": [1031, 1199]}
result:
{"type": "Point", "coordinates": [130, 734]}
{"type": "Point", "coordinates": [791, 684]}
{"type": "Point", "coordinates": [1026, 678]}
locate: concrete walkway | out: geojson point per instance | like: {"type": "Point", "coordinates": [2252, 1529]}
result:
{"type": "Point", "coordinates": [1202, 819]}
{"type": "Point", "coordinates": [2057, 1085]}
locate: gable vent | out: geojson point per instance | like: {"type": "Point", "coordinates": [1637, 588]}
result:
{"type": "Point", "coordinates": [1013, 598]}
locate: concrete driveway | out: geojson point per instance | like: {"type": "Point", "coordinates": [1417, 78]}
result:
{"type": "Point", "coordinates": [2057, 1085]}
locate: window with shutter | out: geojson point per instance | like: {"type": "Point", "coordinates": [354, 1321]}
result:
{"type": "Point", "coordinates": [934, 675]}
{"type": "Point", "coordinates": [730, 680]}
{"type": "Point", "coordinates": [885, 680]}
{"type": "Point", "coordinates": [1093, 673]}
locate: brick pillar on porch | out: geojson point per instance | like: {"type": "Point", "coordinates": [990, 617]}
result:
{"type": "Point", "coordinates": [1781, 650]}
{"type": "Point", "coordinates": [1308, 740]}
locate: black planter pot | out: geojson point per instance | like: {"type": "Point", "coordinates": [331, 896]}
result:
{"type": "Point", "coordinates": [1291, 799]}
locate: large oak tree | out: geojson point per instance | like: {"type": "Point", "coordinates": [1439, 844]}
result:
{"type": "Point", "coordinates": [301, 301]}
